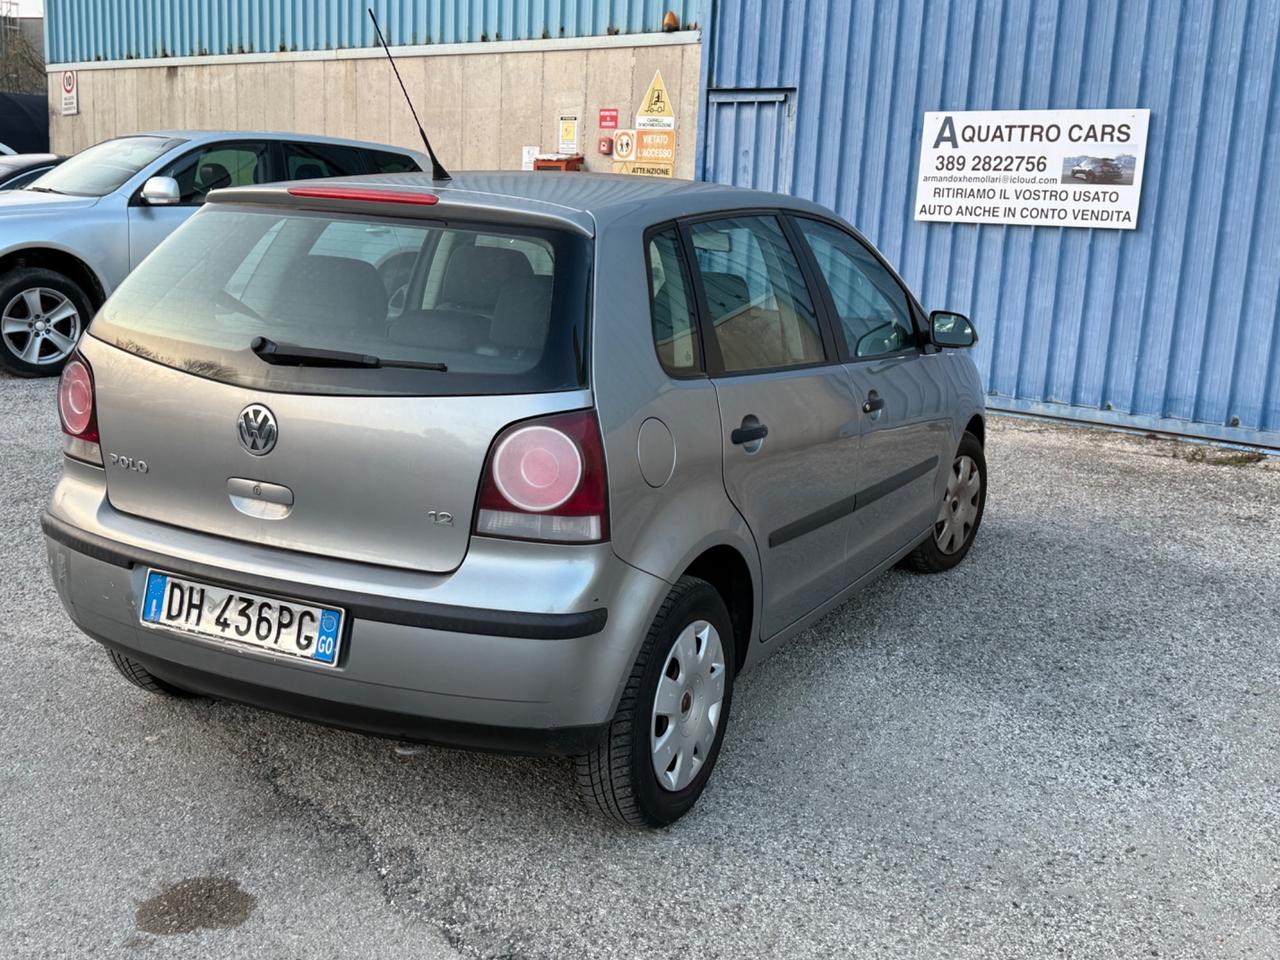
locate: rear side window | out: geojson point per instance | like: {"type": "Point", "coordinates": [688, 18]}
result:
{"type": "Point", "coordinates": [309, 161]}
{"type": "Point", "coordinates": [382, 161]}
{"type": "Point", "coordinates": [757, 301]}
{"type": "Point", "coordinates": [671, 305]}
{"type": "Point", "coordinates": [18, 182]}
{"type": "Point", "coordinates": [346, 283]}
{"type": "Point", "coordinates": [872, 306]}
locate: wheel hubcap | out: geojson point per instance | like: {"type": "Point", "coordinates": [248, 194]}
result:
{"type": "Point", "coordinates": [686, 707]}
{"type": "Point", "coordinates": [959, 511]}
{"type": "Point", "coordinates": [40, 326]}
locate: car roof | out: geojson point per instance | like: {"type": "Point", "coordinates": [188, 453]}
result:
{"type": "Point", "coordinates": [16, 161]}
{"type": "Point", "coordinates": [587, 201]}
{"type": "Point", "coordinates": [203, 136]}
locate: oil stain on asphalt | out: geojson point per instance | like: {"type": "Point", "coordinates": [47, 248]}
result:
{"type": "Point", "coordinates": [200, 903]}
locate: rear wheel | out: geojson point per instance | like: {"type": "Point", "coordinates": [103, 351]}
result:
{"type": "Point", "coordinates": [658, 753]}
{"type": "Point", "coordinates": [42, 314]}
{"type": "Point", "coordinates": [139, 676]}
{"type": "Point", "coordinates": [959, 513]}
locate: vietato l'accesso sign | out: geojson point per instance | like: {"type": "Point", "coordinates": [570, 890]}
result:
{"type": "Point", "coordinates": [1044, 168]}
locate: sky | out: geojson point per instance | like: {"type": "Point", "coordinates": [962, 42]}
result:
{"type": "Point", "coordinates": [30, 8]}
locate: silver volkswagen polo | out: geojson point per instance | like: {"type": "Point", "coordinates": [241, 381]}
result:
{"type": "Point", "coordinates": [611, 442]}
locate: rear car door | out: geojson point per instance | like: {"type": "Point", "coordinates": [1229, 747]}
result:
{"type": "Point", "coordinates": [900, 391]}
{"type": "Point", "coordinates": [210, 167]}
{"type": "Point", "coordinates": [788, 421]}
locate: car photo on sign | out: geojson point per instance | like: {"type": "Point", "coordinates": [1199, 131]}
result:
{"type": "Point", "coordinates": [1112, 170]}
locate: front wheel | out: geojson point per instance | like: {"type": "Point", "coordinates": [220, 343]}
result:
{"type": "Point", "coordinates": [959, 513]}
{"type": "Point", "coordinates": [42, 314]}
{"type": "Point", "coordinates": [658, 753]}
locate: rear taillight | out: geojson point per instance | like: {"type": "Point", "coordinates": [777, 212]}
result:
{"type": "Point", "coordinates": [545, 480]}
{"type": "Point", "coordinates": [78, 411]}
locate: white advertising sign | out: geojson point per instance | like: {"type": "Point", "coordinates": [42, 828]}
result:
{"type": "Point", "coordinates": [70, 93]}
{"type": "Point", "coordinates": [1040, 168]}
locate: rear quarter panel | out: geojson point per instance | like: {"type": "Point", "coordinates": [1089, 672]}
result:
{"type": "Point", "coordinates": [659, 529]}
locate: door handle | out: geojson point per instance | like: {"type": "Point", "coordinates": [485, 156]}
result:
{"type": "Point", "coordinates": [749, 434]}
{"type": "Point", "coordinates": [873, 403]}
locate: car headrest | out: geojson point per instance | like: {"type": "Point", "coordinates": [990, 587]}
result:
{"type": "Point", "coordinates": [476, 275]}
{"type": "Point", "coordinates": [439, 329]}
{"type": "Point", "coordinates": [308, 171]}
{"type": "Point", "coordinates": [726, 294]}
{"type": "Point", "coordinates": [522, 315]}
{"type": "Point", "coordinates": [336, 287]}
{"type": "Point", "coordinates": [214, 176]}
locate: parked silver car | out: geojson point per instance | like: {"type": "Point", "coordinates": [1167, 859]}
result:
{"type": "Point", "coordinates": [615, 441]}
{"type": "Point", "coordinates": [69, 238]}
{"type": "Point", "coordinates": [20, 169]}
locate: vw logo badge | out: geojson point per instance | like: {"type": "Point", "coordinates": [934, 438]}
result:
{"type": "Point", "coordinates": [257, 429]}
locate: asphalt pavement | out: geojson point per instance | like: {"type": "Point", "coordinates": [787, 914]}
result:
{"type": "Point", "coordinates": [1068, 746]}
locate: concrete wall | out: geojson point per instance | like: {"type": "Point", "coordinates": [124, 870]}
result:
{"type": "Point", "coordinates": [479, 107]}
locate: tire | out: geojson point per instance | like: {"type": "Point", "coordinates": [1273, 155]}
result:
{"type": "Point", "coordinates": [42, 315]}
{"type": "Point", "coordinates": [619, 778]}
{"type": "Point", "coordinates": [138, 675]}
{"type": "Point", "coordinates": [945, 547]}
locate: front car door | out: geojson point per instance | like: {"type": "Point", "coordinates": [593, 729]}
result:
{"type": "Point", "coordinates": [900, 389]}
{"type": "Point", "coordinates": [788, 421]}
{"type": "Point", "coordinates": [198, 171]}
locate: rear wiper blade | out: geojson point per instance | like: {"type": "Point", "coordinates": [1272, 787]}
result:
{"type": "Point", "coordinates": [296, 355]}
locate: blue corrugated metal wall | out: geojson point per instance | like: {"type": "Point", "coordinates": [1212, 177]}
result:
{"type": "Point", "coordinates": [1172, 326]}
{"type": "Point", "coordinates": [81, 30]}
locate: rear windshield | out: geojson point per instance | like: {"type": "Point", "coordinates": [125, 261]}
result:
{"type": "Point", "coordinates": [503, 308]}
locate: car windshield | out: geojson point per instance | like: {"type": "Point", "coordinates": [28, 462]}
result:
{"type": "Point", "coordinates": [447, 309]}
{"type": "Point", "coordinates": [97, 171]}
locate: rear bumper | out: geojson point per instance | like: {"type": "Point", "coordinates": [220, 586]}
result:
{"type": "Point", "coordinates": [421, 660]}
{"type": "Point", "coordinates": [563, 741]}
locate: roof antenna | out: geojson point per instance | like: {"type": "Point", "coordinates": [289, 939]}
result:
{"type": "Point", "coordinates": [438, 172]}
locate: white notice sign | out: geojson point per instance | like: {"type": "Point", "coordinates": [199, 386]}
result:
{"type": "Point", "coordinates": [1043, 168]}
{"type": "Point", "coordinates": [70, 93]}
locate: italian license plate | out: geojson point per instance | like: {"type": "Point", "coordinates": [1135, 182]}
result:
{"type": "Point", "coordinates": [269, 623]}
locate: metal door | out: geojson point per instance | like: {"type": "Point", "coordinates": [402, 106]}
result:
{"type": "Point", "coordinates": [750, 138]}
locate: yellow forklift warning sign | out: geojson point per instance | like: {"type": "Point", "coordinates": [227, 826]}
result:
{"type": "Point", "coordinates": [655, 111]}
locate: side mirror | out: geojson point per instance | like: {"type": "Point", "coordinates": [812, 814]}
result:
{"type": "Point", "coordinates": [947, 329]}
{"type": "Point", "coordinates": [161, 192]}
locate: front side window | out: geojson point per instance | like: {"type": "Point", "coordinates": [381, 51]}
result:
{"type": "Point", "coordinates": [759, 308]}
{"type": "Point", "coordinates": [97, 171]}
{"type": "Point", "coordinates": [216, 166]}
{"type": "Point", "coordinates": [871, 304]}
{"type": "Point", "coordinates": [337, 282]}
{"type": "Point", "coordinates": [675, 332]}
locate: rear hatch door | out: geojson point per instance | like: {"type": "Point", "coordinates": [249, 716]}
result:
{"type": "Point", "coordinates": [373, 464]}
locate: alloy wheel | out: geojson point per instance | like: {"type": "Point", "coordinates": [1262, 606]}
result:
{"type": "Point", "coordinates": [959, 510]}
{"type": "Point", "coordinates": [686, 706]}
{"type": "Point", "coordinates": [40, 326]}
